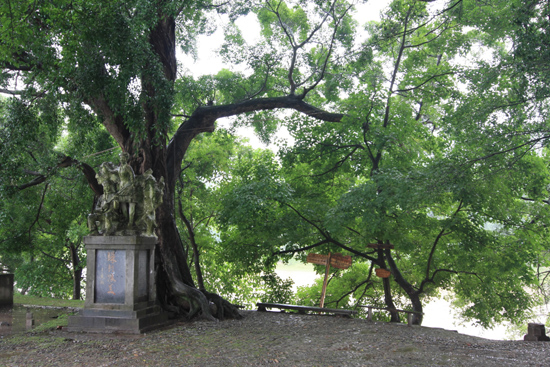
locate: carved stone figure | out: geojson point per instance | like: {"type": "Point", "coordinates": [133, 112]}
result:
{"type": "Point", "coordinates": [104, 219]}
{"type": "Point", "coordinates": [127, 190]}
{"type": "Point", "coordinates": [152, 198]}
{"type": "Point", "coordinates": [106, 209]}
{"type": "Point", "coordinates": [128, 203]}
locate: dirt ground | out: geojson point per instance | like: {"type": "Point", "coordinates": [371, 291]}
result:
{"type": "Point", "coordinates": [272, 338]}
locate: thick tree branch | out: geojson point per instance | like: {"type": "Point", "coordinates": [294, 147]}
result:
{"type": "Point", "coordinates": [204, 117]}
{"type": "Point", "coordinates": [114, 124]}
{"type": "Point", "coordinates": [87, 170]}
{"type": "Point", "coordinates": [163, 41]}
{"type": "Point", "coordinates": [403, 283]}
{"type": "Point", "coordinates": [34, 182]}
{"type": "Point", "coordinates": [353, 251]}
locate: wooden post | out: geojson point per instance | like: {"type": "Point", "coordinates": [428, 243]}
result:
{"type": "Point", "coordinates": [324, 291]}
{"type": "Point", "coordinates": [29, 320]}
{"type": "Point", "coordinates": [336, 260]}
{"type": "Point", "coordinates": [410, 319]}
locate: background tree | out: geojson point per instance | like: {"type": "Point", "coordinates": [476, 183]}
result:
{"type": "Point", "coordinates": [399, 169]}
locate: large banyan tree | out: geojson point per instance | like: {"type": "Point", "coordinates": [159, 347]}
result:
{"type": "Point", "coordinates": [115, 63]}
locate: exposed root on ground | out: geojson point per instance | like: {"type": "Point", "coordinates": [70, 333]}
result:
{"type": "Point", "coordinates": [196, 299]}
{"type": "Point", "coordinates": [223, 308]}
{"type": "Point", "coordinates": [198, 303]}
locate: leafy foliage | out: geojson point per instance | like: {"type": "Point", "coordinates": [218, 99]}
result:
{"type": "Point", "coordinates": [442, 181]}
{"type": "Point", "coordinates": [43, 226]}
{"type": "Point", "coordinates": [437, 146]}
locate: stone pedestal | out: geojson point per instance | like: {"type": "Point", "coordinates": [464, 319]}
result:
{"type": "Point", "coordinates": [6, 289]}
{"type": "Point", "coordinates": [120, 286]}
{"type": "Point", "coordinates": [536, 332]}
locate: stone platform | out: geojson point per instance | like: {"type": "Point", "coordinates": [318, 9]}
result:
{"type": "Point", "coordinates": [536, 332]}
{"type": "Point", "coordinates": [117, 321]}
{"type": "Point", "coordinates": [120, 286]}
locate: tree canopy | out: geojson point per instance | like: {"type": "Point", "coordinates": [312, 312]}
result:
{"type": "Point", "coordinates": [422, 134]}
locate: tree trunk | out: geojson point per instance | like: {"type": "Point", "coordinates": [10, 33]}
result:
{"type": "Point", "coordinates": [417, 306]}
{"type": "Point", "coordinates": [388, 299]}
{"type": "Point", "coordinates": [77, 272]}
{"type": "Point", "coordinates": [194, 246]}
{"type": "Point", "coordinates": [77, 279]}
{"type": "Point", "coordinates": [175, 287]}
{"type": "Point", "coordinates": [413, 294]}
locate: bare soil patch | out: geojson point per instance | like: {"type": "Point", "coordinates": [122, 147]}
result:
{"type": "Point", "coordinates": [272, 338]}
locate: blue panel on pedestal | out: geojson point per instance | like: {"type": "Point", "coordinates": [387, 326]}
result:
{"type": "Point", "coordinates": [110, 283]}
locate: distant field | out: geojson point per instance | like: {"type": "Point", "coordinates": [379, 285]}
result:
{"type": "Point", "coordinates": [295, 265]}
{"type": "Point", "coordinates": [301, 274]}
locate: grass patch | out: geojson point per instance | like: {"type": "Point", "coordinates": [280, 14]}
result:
{"type": "Point", "coordinates": [44, 301]}
{"type": "Point", "coordinates": [62, 320]}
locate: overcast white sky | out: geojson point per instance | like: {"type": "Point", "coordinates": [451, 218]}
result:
{"type": "Point", "coordinates": [209, 62]}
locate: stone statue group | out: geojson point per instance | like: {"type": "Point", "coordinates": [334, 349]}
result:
{"type": "Point", "coordinates": [128, 203]}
